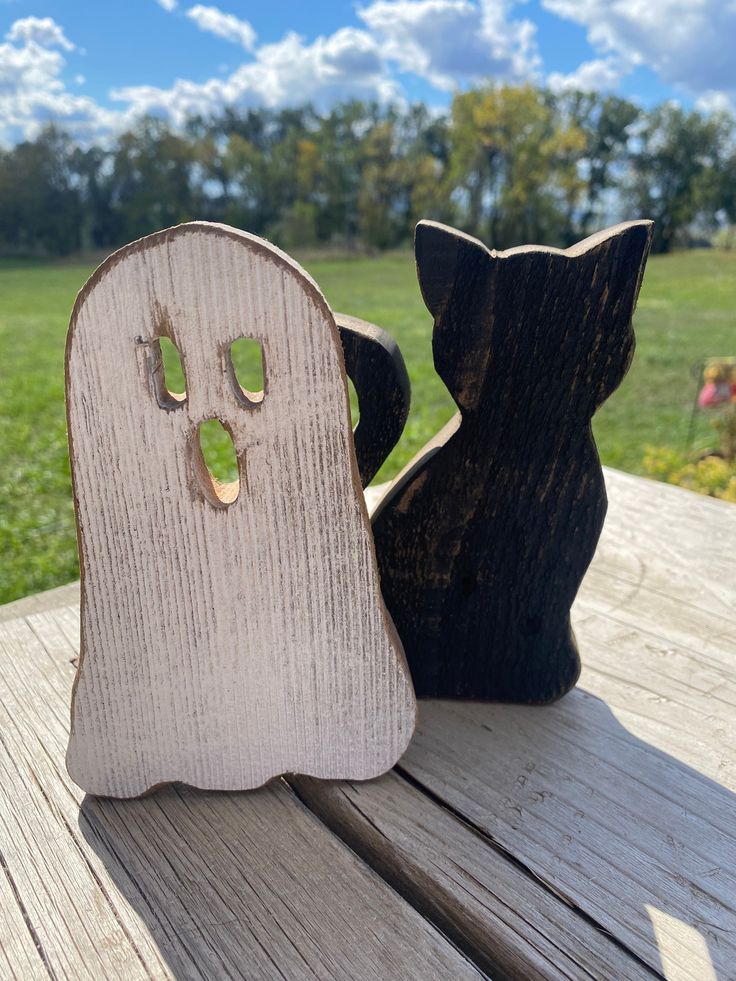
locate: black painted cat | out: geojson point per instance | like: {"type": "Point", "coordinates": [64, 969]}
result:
{"type": "Point", "coordinates": [374, 364]}
{"type": "Point", "coordinates": [483, 540]}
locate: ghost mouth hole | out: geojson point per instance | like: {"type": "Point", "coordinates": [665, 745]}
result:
{"type": "Point", "coordinates": [246, 369]}
{"type": "Point", "coordinates": [216, 463]}
{"type": "Point", "coordinates": [167, 374]}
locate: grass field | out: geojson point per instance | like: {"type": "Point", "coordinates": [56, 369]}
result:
{"type": "Point", "coordinates": [687, 311]}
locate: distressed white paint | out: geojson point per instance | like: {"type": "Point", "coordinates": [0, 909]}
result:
{"type": "Point", "coordinates": [222, 645]}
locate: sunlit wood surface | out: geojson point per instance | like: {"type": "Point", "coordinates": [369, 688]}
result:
{"type": "Point", "coordinates": [592, 838]}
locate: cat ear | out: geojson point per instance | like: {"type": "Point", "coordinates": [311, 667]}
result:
{"type": "Point", "coordinates": [621, 250]}
{"type": "Point", "coordinates": [441, 254]}
{"type": "Point", "coordinates": [611, 265]}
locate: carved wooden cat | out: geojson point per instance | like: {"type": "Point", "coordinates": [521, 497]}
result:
{"type": "Point", "coordinates": [483, 540]}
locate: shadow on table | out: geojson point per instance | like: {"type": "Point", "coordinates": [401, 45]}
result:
{"type": "Point", "coordinates": [640, 842]}
{"type": "Point", "coordinates": [250, 885]}
{"type": "Point", "coordinates": [194, 866]}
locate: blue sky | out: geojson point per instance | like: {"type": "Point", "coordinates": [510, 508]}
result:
{"type": "Point", "coordinates": [97, 67]}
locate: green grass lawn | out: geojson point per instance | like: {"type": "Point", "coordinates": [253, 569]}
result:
{"type": "Point", "coordinates": [687, 311]}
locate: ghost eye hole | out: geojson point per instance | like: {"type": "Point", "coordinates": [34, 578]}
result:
{"type": "Point", "coordinates": [167, 373]}
{"type": "Point", "coordinates": [245, 363]}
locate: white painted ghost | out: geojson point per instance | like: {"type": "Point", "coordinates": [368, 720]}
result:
{"type": "Point", "coordinates": [228, 635]}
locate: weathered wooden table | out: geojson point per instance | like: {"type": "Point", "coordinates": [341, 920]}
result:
{"type": "Point", "coordinates": [592, 838]}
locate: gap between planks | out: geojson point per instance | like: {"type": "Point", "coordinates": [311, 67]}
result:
{"type": "Point", "coordinates": [503, 916]}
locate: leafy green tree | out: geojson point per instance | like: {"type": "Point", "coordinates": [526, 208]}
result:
{"type": "Point", "coordinates": [152, 179]}
{"type": "Point", "coordinates": [424, 142]}
{"type": "Point", "coordinates": [380, 187]}
{"type": "Point", "coordinates": [40, 201]}
{"type": "Point", "coordinates": [210, 175]}
{"type": "Point", "coordinates": [513, 164]}
{"type": "Point", "coordinates": [261, 159]}
{"type": "Point", "coordinates": [606, 122]}
{"type": "Point", "coordinates": [338, 178]}
{"type": "Point", "coordinates": [726, 192]}
{"type": "Point", "coordinates": [102, 225]}
{"type": "Point", "coordinates": [510, 164]}
{"type": "Point", "coordinates": [675, 171]}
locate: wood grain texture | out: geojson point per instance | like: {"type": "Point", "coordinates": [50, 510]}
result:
{"type": "Point", "coordinates": [375, 366]}
{"type": "Point", "coordinates": [228, 634]}
{"type": "Point", "coordinates": [592, 838]}
{"type": "Point", "coordinates": [182, 884]}
{"type": "Point", "coordinates": [65, 595]}
{"type": "Point", "coordinates": [504, 918]}
{"type": "Point", "coordinates": [620, 799]}
{"type": "Point", "coordinates": [484, 539]}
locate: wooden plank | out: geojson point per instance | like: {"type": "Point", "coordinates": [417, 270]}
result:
{"type": "Point", "coordinates": [504, 917]}
{"type": "Point", "coordinates": [20, 956]}
{"type": "Point", "coordinates": [180, 884]}
{"type": "Point", "coordinates": [662, 746]}
{"type": "Point", "coordinates": [621, 797]}
{"type": "Point", "coordinates": [618, 801]}
{"type": "Point", "coordinates": [580, 796]}
{"type": "Point", "coordinates": [64, 898]}
{"type": "Point", "coordinates": [668, 540]}
{"type": "Point", "coordinates": [583, 798]}
{"type": "Point", "coordinates": [60, 596]}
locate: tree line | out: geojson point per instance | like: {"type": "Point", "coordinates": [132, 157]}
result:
{"type": "Point", "coordinates": [508, 164]}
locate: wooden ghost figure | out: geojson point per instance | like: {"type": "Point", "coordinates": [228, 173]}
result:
{"type": "Point", "coordinates": [483, 540]}
{"type": "Point", "coordinates": [229, 633]}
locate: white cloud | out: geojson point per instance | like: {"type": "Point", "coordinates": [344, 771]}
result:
{"type": "Point", "coordinates": [598, 75]}
{"type": "Point", "coordinates": [450, 43]}
{"type": "Point", "coordinates": [688, 43]}
{"type": "Point", "coordinates": [715, 102]}
{"type": "Point", "coordinates": [226, 26]}
{"type": "Point", "coordinates": [453, 41]}
{"type": "Point", "coordinates": [31, 90]}
{"type": "Point", "coordinates": [347, 64]}
{"type": "Point", "coordinates": [39, 30]}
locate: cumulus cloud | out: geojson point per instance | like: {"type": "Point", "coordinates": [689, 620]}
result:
{"type": "Point", "coordinates": [450, 43]}
{"type": "Point", "coordinates": [343, 65]}
{"type": "Point", "coordinates": [597, 75]}
{"type": "Point", "coordinates": [31, 90]}
{"type": "Point", "coordinates": [346, 64]}
{"type": "Point", "coordinates": [688, 43]}
{"type": "Point", "coordinates": [453, 41]}
{"type": "Point", "coordinates": [226, 26]}
{"type": "Point", "coordinates": [42, 31]}
{"type": "Point", "coordinates": [711, 101]}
